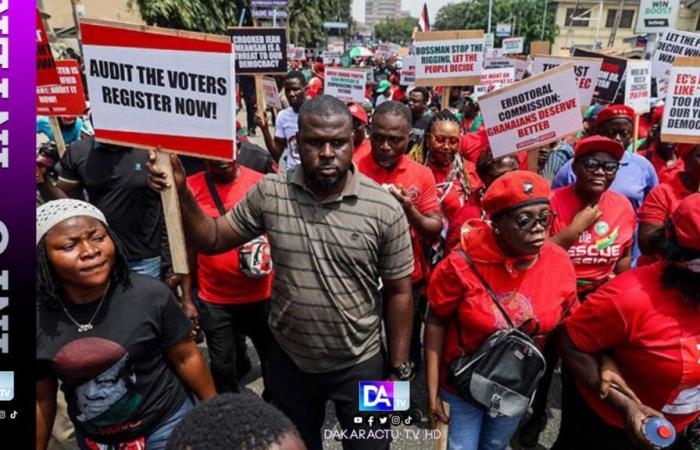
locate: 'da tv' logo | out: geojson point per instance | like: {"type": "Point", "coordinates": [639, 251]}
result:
{"type": "Point", "coordinates": [385, 395]}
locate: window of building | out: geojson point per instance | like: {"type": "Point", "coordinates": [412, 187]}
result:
{"type": "Point", "coordinates": [579, 18]}
{"type": "Point", "coordinates": [625, 20]}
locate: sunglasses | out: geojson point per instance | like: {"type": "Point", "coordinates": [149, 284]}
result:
{"type": "Point", "coordinates": [527, 222]}
{"type": "Point", "coordinates": [592, 165]}
{"type": "Point", "coordinates": [441, 140]}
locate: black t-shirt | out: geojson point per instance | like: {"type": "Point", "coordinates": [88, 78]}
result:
{"type": "Point", "coordinates": [115, 180]}
{"type": "Point", "coordinates": [418, 129]}
{"type": "Point", "coordinates": [116, 378]}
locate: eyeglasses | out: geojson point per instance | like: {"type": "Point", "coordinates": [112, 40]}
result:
{"type": "Point", "coordinates": [441, 140]}
{"type": "Point", "coordinates": [527, 222]}
{"type": "Point", "coordinates": [592, 165]}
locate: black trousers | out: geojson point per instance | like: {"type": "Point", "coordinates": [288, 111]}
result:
{"type": "Point", "coordinates": [302, 396]}
{"type": "Point", "coordinates": [221, 325]}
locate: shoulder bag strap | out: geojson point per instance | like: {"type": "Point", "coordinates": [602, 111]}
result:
{"type": "Point", "coordinates": [492, 294]}
{"type": "Point", "coordinates": [214, 193]}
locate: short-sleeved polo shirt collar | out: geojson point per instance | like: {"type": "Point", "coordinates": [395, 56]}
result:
{"type": "Point", "coordinates": [375, 168]}
{"type": "Point", "coordinates": [349, 190]}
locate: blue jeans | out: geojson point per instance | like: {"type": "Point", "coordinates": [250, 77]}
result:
{"type": "Point", "coordinates": [471, 428]}
{"type": "Point", "coordinates": [147, 266]}
{"type": "Point", "coordinates": [157, 439]}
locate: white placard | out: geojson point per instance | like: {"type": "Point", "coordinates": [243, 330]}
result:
{"type": "Point", "coordinates": [656, 16]}
{"type": "Point", "coordinates": [512, 45]}
{"type": "Point", "coordinates": [438, 60]}
{"type": "Point", "coordinates": [672, 43]}
{"type": "Point", "coordinates": [681, 120]}
{"type": "Point", "coordinates": [346, 84]}
{"type": "Point", "coordinates": [330, 58]}
{"type": "Point", "coordinates": [496, 78]}
{"type": "Point", "coordinates": [585, 69]}
{"type": "Point", "coordinates": [408, 71]}
{"type": "Point", "coordinates": [532, 112]}
{"type": "Point", "coordinates": [638, 85]}
{"type": "Point", "coordinates": [272, 98]}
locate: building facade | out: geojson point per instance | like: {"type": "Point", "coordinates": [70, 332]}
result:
{"type": "Point", "coordinates": [378, 10]}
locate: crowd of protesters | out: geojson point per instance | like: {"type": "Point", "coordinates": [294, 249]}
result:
{"type": "Point", "coordinates": [369, 241]}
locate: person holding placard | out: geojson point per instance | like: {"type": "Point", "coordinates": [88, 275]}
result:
{"type": "Point", "coordinates": [283, 147]}
{"type": "Point", "coordinates": [418, 101]}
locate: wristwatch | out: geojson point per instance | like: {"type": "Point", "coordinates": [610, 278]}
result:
{"type": "Point", "coordinates": [405, 371]}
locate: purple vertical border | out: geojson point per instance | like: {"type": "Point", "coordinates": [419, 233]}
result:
{"type": "Point", "coordinates": [17, 213]}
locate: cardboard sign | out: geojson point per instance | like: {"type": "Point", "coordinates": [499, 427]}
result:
{"type": "Point", "coordinates": [521, 66]}
{"type": "Point", "coordinates": [65, 99]}
{"type": "Point", "coordinates": [495, 78]}
{"type": "Point", "coordinates": [448, 58]}
{"type": "Point", "coordinates": [153, 87]}
{"type": "Point", "coordinates": [272, 98]}
{"type": "Point", "coordinates": [345, 84]}
{"type": "Point", "coordinates": [672, 43]}
{"type": "Point", "coordinates": [408, 71]}
{"type": "Point", "coordinates": [512, 45]}
{"type": "Point", "coordinates": [532, 112]}
{"type": "Point", "coordinates": [260, 50]}
{"type": "Point", "coordinates": [656, 16]}
{"type": "Point", "coordinates": [638, 85]}
{"type": "Point", "coordinates": [330, 58]}
{"type": "Point", "coordinates": [585, 69]}
{"type": "Point", "coordinates": [540, 48]}
{"type": "Point", "coordinates": [503, 29]}
{"type": "Point", "coordinates": [612, 71]}
{"type": "Point", "coordinates": [681, 120]}
{"type": "Point", "coordinates": [45, 65]}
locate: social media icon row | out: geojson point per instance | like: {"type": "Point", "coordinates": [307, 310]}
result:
{"type": "Point", "coordinates": [395, 420]}
{"type": "Point", "coordinates": [13, 414]}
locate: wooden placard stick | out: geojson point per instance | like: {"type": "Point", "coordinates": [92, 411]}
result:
{"type": "Point", "coordinates": [445, 101]}
{"type": "Point", "coordinates": [259, 96]}
{"type": "Point", "coordinates": [636, 133]}
{"type": "Point", "coordinates": [173, 217]}
{"type": "Point", "coordinates": [57, 136]}
{"type": "Point", "coordinates": [442, 428]}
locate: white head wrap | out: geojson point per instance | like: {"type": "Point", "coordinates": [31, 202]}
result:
{"type": "Point", "coordinates": [54, 212]}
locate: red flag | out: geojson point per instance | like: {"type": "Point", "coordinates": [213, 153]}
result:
{"type": "Point", "coordinates": [423, 21]}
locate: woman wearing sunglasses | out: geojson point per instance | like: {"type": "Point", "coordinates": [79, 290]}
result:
{"type": "Point", "coordinates": [456, 179]}
{"type": "Point", "coordinates": [594, 224]}
{"type": "Point", "coordinates": [532, 279]}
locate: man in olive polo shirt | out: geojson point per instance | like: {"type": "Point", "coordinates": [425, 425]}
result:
{"type": "Point", "coordinates": [334, 233]}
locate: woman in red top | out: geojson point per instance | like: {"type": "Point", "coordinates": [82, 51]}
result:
{"type": "Point", "coordinates": [456, 179]}
{"type": "Point", "coordinates": [533, 280]}
{"type": "Point", "coordinates": [594, 224]}
{"type": "Point", "coordinates": [647, 320]}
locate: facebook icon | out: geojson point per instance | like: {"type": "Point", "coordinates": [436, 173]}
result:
{"type": "Point", "coordinates": [384, 395]}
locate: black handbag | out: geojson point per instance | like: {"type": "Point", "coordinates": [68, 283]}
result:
{"type": "Point", "coordinates": [503, 374]}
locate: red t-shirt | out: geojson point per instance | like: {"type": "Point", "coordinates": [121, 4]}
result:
{"type": "Point", "coordinates": [665, 171]}
{"type": "Point", "coordinates": [362, 150]}
{"type": "Point", "coordinates": [542, 292]}
{"type": "Point", "coordinates": [456, 207]}
{"type": "Point", "coordinates": [219, 278]}
{"type": "Point", "coordinates": [474, 144]}
{"type": "Point", "coordinates": [419, 182]}
{"type": "Point", "coordinates": [654, 335]}
{"type": "Point", "coordinates": [662, 201]}
{"type": "Point", "coordinates": [602, 245]}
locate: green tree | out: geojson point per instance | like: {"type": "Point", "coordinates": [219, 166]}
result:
{"type": "Point", "coordinates": [398, 31]}
{"type": "Point", "coordinates": [209, 16]}
{"type": "Point", "coordinates": [473, 15]}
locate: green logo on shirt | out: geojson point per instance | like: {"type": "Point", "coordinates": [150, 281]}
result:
{"type": "Point", "coordinates": [601, 228]}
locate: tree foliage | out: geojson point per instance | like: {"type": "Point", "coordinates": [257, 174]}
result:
{"type": "Point", "coordinates": [473, 15]}
{"type": "Point", "coordinates": [398, 31]}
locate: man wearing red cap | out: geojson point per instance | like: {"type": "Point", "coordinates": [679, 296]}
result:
{"type": "Point", "coordinates": [359, 127]}
{"type": "Point", "coordinates": [664, 199]}
{"type": "Point", "coordinates": [647, 321]}
{"type": "Point", "coordinates": [594, 224]}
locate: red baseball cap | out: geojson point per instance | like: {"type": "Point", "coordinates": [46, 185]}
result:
{"type": "Point", "coordinates": [686, 221]}
{"type": "Point", "coordinates": [614, 112]}
{"type": "Point", "coordinates": [359, 113]}
{"type": "Point", "coordinates": [598, 143]}
{"type": "Point", "coordinates": [683, 150]}
{"type": "Point", "coordinates": [514, 189]}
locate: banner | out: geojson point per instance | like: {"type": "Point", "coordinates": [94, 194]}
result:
{"type": "Point", "coordinates": [330, 58]}
{"type": "Point", "coordinates": [585, 69]}
{"type": "Point", "coordinates": [512, 45]}
{"type": "Point", "coordinates": [532, 112]}
{"type": "Point", "coordinates": [408, 71]}
{"type": "Point", "coordinates": [656, 16]}
{"type": "Point", "coordinates": [672, 43]}
{"type": "Point", "coordinates": [260, 50]}
{"type": "Point", "coordinates": [272, 98]}
{"type": "Point", "coordinates": [681, 120]}
{"type": "Point", "coordinates": [345, 84]}
{"type": "Point", "coordinates": [638, 85]}
{"type": "Point", "coordinates": [610, 76]}
{"type": "Point", "coordinates": [153, 87]}
{"type": "Point", "coordinates": [503, 29]}
{"type": "Point", "coordinates": [66, 98]}
{"type": "Point", "coordinates": [45, 65]}
{"type": "Point", "coordinates": [448, 58]}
